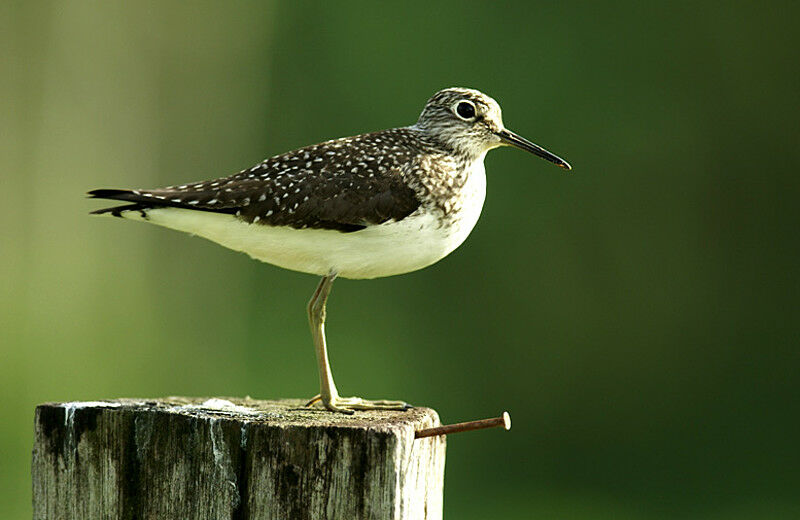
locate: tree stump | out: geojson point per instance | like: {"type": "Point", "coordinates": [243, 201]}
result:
{"type": "Point", "coordinates": [187, 458]}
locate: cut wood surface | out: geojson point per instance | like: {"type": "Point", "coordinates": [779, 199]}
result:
{"type": "Point", "coordinates": [230, 458]}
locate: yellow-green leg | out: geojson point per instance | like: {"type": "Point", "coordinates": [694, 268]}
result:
{"type": "Point", "coordinates": [328, 394]}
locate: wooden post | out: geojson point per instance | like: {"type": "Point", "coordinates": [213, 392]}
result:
{"type": "Point", "coordinates": [238, 459]}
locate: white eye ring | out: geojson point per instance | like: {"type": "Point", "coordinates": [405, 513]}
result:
{"type": "Point", "coordinates": [468, 106]}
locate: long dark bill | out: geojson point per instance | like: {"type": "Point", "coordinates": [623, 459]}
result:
{"type": "Point", "coordinates": [509, 137]}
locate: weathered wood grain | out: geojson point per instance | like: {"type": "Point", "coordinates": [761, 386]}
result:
{"type": "Point", "coordinates": [239, 459]}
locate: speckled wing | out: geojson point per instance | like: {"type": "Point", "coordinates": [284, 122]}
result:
{"type": "Point", "coordinates": [345, 184]}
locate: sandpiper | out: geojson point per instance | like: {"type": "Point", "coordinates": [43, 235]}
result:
{"type": "Point", "coordinates": [377, 204]}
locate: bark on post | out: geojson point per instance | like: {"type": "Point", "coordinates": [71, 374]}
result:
{"type": "Point", "coordinates": [181, 458]}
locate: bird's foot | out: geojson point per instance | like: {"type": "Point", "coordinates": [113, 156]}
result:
{"type": "Point", "coordinates": [348, 405]}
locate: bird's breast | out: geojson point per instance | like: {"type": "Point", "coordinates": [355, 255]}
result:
{"type": "Point", "coordinates": [460, 212]}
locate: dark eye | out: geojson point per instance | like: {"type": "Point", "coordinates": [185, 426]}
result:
{"type": "Point", "coordinates": [465, 110]}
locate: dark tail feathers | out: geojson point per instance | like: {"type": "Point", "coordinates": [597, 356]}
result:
{"type": "Point", "coordinates": [141, 203]}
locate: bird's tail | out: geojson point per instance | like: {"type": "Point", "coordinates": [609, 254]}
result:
{"type": "Point", "coordinates": [138, 202]}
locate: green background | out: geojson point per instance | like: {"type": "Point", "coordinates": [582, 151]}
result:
{"type": "Point", "coordinates": [637, 318]}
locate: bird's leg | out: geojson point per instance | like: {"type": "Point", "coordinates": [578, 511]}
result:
{"type": "Point", "coordinates": [316, 319]}
{"type": "Point", "coordinates": [327, 388]}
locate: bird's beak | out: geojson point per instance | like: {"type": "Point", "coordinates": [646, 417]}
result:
{"type": "Point", "coordinates": [510, 138]}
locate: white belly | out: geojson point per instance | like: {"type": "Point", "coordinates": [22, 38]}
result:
{"type": "Point", "coordinates": [417, 241]}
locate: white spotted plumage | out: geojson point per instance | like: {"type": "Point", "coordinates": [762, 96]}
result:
{"type": "Point", "coordinates": [392, 248]}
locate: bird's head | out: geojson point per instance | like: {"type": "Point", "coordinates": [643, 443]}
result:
{"type": "Point", "coordinates": [471, 123]}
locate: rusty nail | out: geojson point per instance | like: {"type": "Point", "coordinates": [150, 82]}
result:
{"type": "Point", "coordinates": [504, 421]}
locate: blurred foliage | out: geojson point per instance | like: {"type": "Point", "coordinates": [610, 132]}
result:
{"type": "Point", "coordinates": [638, 318]}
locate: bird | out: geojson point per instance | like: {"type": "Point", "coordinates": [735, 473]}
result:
{"type": "Point", "coordinates": [373, 205]}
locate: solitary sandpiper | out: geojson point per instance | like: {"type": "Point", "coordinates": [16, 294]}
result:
{"type": "Point", "coordinates": [377, 204]}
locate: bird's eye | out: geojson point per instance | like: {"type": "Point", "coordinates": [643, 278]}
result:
{"type": "Point", "coordinates": [465, 110]}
